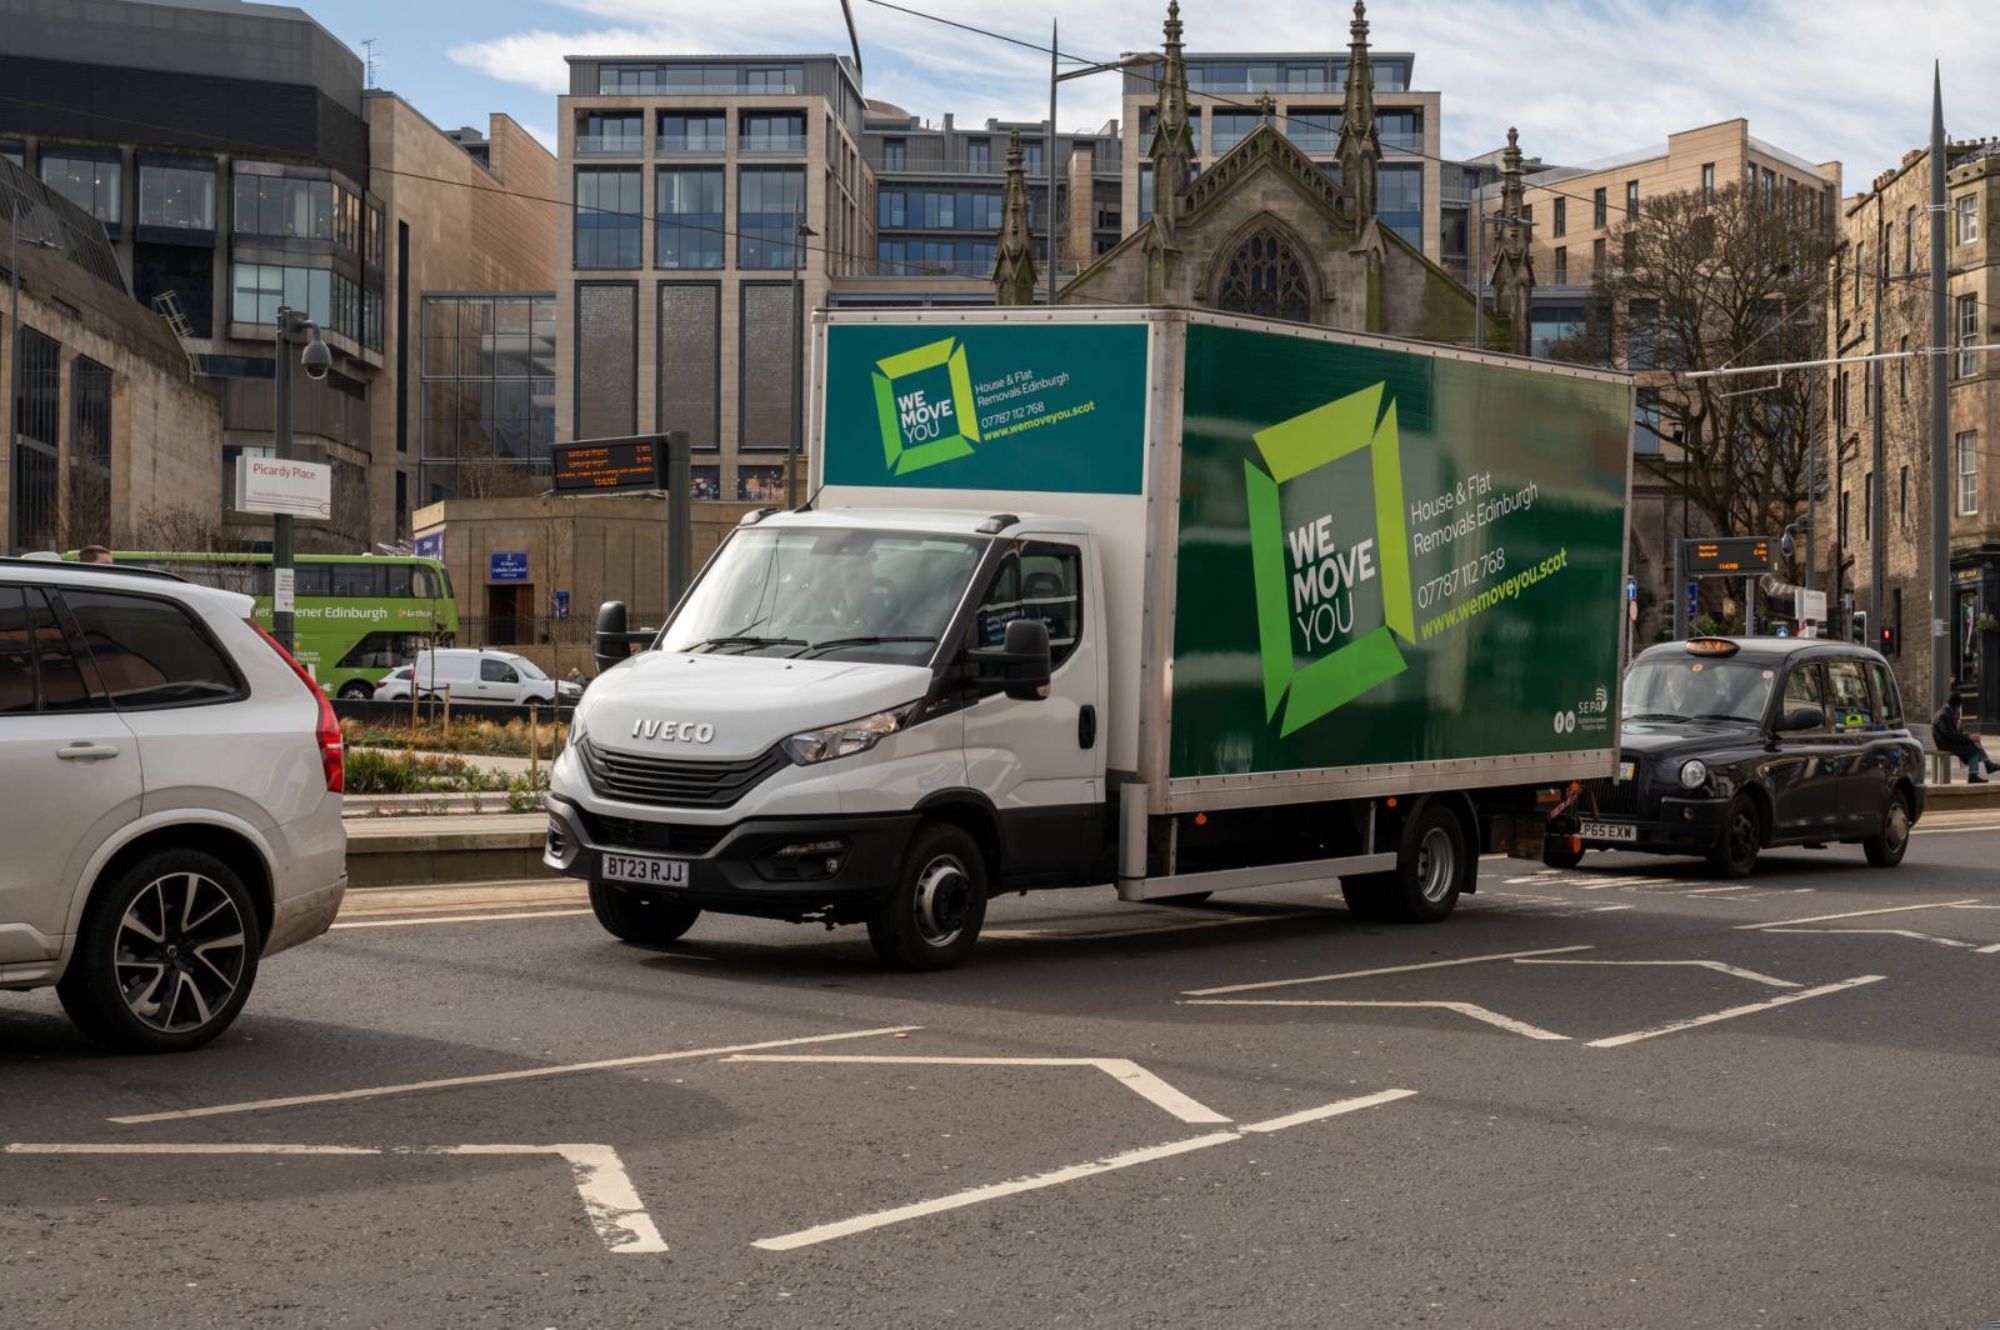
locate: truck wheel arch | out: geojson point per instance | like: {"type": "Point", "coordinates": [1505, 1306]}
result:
{"type": "Point", "coordinates": [973, 813]}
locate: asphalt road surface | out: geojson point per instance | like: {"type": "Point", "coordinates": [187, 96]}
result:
{"type": "Point", "coordinates": [1625, 1096]}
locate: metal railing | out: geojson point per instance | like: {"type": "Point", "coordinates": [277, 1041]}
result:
{"type": "Point", "coordinates": [611, 145]}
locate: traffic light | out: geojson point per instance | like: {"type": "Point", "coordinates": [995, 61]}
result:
{"type": "Point", "coordinates": [1858, 627]}
{"type": "Point", "coordinates": [1891, 642]}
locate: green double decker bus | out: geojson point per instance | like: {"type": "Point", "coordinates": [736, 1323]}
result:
{"type": "Point", "coordinates": [355, 616]}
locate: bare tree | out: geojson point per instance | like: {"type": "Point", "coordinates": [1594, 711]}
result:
{"type": "Point", "coordinates": [183, 530]}
{"type": "Point", "coordinates": [1707, 282]}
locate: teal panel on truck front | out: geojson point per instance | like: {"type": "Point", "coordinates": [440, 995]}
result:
{"type": "Point", "coordinates": [1387, 557]}
{"type": "Point", "coordinates": [1054, 407]}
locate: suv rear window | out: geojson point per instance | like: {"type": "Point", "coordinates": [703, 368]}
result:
{"type": "Point", "coordinates": [150, 652]}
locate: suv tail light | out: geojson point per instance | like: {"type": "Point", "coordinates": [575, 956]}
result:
{"type": "Point", "coordinates": [332, 755]}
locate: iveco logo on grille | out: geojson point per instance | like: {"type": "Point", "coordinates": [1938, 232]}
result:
{"type": "Point", "coordinates": [683, 731]}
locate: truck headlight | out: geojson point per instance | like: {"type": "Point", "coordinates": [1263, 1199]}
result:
{"type": "Point", "coordinates": [848, 737]}
{"type": "Point", "coordinates": [1694, 774]}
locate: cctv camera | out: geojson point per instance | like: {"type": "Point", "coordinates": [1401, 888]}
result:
{"type": "Point", "coordinates": [317, 359]}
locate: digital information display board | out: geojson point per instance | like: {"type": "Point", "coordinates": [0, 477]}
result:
{"type": "Point", "coordinates": [614, 464]}
{"type": "Point", "coordinates": [1732, 554]}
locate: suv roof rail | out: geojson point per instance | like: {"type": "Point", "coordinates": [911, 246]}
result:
{"type": "Point", "coordinates": [76, 566]}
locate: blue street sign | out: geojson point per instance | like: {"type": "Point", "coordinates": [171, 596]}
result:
{"type": "Point", "coordinates": [1694, 599]}
{"type": "Point", "coordinates": [559, 604]}
{"type": "Point", "coordinates": [1631, 588]}
{"type": "Point", "coordinates": [429, 546]}
{"type": "Point", "coordinates": [507, 566]}
{"type": "Point", "coordinates": [1782, 632]}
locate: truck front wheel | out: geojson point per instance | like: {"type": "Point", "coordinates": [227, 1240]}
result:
{"type": "Point", "coordinates": [644, 921]}
{"type": "Point", "coordinates": [1432, 866]}
{"type": "Point", "coordinates": [933, 918]}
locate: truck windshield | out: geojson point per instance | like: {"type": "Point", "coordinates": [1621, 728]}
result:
{"type": "Point", "coordinates": [831, 594]}
{"type": "Point", "coordinates": [1698, 690]}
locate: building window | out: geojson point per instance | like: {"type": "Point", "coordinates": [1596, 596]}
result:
{"type": "Point", "coordinates": [1770, 185]}
{"type": "Point", "coordinates": [90, 183]}
{"type": "Point", "coordinates": [180, 198]}
{"type": "Point", "coordinates": [90, 452]}
{"type": "Point", "coordinates": [1868, 506]}
{"type": "Point", "coordinates": [1903, 370]}
{"type": "Point", "coordinates": [1562, 260]}
{"type": "Point", "coordinates": [1910, 240]}
{"type": "Point", "coordinates": [608, 205]}
{"type": "Point", "coordinates": [273, 205]}
{"type": "Point", "coordinates": [1968, 336]}
{"type": "Point", "coordinates": [1600, 208]}
{"type": "Point", "coordinates": [488, 402]}
{"type": "Point", "coordinates": [607, 365]}
{"type": "Point", "coordinates": [895, 154]}
{"type": "Point", "coordinates": [1400, 201]}
{"type": "Point", "coordinates": [38, 420]}
{"type": "Point", "coordinates": [770, 207]}
{"type": "Point", "coordinates": [693, 132]}
{"type": "Point", "coordinates": [258, 290]}
{"type": "Point", "coordinates": [1631, 199]}
{"type": "Point", "coordinates": [1843, 518]}
{"type": "Point", "coordinates": [1145, 192]}
{"type": "Point", "coordinates": [1646, 439]}
{"type": "Point", "coordinates": [1561, 227]}
{"type": "Point", "coordinates": [979, 154]}
{"type": "Point", "coordinates": [1966, 211]}
{"type": "Point", "coordinates": [619, 132]}
{"type": "Point", "coordinates": [1968, 473]}
{"type": "Point", "coordinates": [1903, 498]}
{"type": "Point", "coordinates": [1400, 130]}
{"type": "Point", "coordinates": [14, 151]}
{"type": "Point", "coordinates": [1267, 278]}
{"type": "Point", "coordinates": [1840, 400]}
{"type": "Point", "coordinates": [771, 132]}
{"type": "Point", "coordinates": [1598, 258]}
{"type": "Point", "coordinates": [622, 78]}
{"type": "Point", "coordinates": [1708, 182]}
{"type": "Point", "coordinates": [690, 218]}
{"type": "Point", "coordinates": [691, 361]}
{"type": "Point", "coordinates": [1860, 267]}
{"type": "Point", "coordinates": [1642, 337]}
{"type": "Point", "coordinates": [1226, 129]}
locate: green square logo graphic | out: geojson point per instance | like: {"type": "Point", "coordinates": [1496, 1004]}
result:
{"type": "Point", "coordinates": [1305, 574]}
{"type": "Point", "coordinates": [923, 398]}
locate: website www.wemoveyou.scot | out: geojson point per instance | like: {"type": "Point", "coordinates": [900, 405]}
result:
{"type": "Point", "coordinates": [1494, 595]}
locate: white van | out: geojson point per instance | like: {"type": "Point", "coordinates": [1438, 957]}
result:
{"type": "Point", "coordinates": [482, 677]}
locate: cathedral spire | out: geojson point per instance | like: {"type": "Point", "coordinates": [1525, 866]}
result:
{"type": "Point", "coordinates": [1014, 260]}
{"type": "Point", "coordinates": [1172, 150]}
{"type": "Point", "coordinates": [1513, 260]}
{"type": "Point", "coordinates": [1360, 147]}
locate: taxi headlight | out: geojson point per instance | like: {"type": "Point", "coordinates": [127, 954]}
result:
{"type": "Point", "coordinates": [1694, 774]}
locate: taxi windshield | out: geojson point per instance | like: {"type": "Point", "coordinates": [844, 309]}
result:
{"type": "Point", "coordinates": [1698, 690]}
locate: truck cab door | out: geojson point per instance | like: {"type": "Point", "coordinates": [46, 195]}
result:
{"type": "Point", "coordinates": [1804, 777]}
{"type": "Point", "coordinates": [1041, 762]}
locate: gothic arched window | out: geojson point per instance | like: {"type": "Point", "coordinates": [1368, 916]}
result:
{"type": "Point", "coordinates": [1265, 277]}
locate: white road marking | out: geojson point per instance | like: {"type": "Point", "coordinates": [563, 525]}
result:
{"type": "Point", "coordinates": [1715, 891]}
{"type": "Point", "coordinates": [1989, 951]}
{"type": "Point", "coordinates": [1333, 1110]}
{"type": "Point", "coordinates": [845, 1228]}
{"type": "Point", "coordinates": [1605, 883]}
{"type": "Point", "coordinates": [1606, 909]}
{"type": "Point", "coordinates": [1954, 830]}
{"type": "Point", "coordinates": [1123, 1070]}
{"type": "Point", "coordinates": [1387, 969]}
{"type": "Point", "coordinates": [1910, 933]}
{"type": "Point", "coordinates": [498, 1077]}
{"type": "Point", "coordinates": [1784, 999]}
{"type": "Point", "coordinates": [459, 919]}
{"type": "Point", "coordinates": [1476, 1012]}
{"type": "Point", "coordinates": [609, 1199]}
{"type": "Point", "coordinates": [1856, 914]}
{"type": "Point", "coordinates": [1717, 966]}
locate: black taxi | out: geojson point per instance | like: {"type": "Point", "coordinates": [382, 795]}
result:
{"type": "Point", "coordinates": [1731, 745]}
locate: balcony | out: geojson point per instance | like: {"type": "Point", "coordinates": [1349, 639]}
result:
{"type": "Point", "coordinates": [692, 145]}
{"type": "Point", "coordinates": [772, 145]}
{"type": "Point", "coordinates": [610, 145]}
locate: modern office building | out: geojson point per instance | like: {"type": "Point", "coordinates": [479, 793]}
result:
{"type": "Point", "coordinates": [105, 437]}
{"type": "Point", "coordinates": [239, 164]}
{"type": "Point", "coordinates": [1886, 233]}
{"type": "Point", "coordinates": [709, 201]}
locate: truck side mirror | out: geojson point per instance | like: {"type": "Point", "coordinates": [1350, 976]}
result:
{"type": "Point", "coordinates": [1019, 667]}
{"type": "Point", "coordinates": [612, 644]}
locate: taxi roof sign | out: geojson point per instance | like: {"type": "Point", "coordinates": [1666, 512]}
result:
{"type": "Point", "coordinates": [1711, 646]}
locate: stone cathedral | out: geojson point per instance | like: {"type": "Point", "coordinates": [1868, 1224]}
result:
{"type": "Point", "coordinates": [1267, 231]}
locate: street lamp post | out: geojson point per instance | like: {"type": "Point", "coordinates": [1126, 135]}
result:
{"type": "Point", "coordinates": [316, 361]}
{"type": "Point", "coordinates": [801, 234]}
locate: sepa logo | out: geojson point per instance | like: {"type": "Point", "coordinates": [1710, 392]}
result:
{"type": "Point", "coordinates": [924, 400]}
{"type": "Point", "coordinates": [1309, 576]}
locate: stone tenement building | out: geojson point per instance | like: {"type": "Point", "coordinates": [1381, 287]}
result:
{"type": "Point", "coordinates": [1266, 230]}
{"type": "Point", "coordinates": [1887, 231]}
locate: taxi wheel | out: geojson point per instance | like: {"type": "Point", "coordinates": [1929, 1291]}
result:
{"type": "Point", "coordinates": [1735, 854]}
{"type": "Point", "coordinates": [644, 921]}
{"type": "Point", "coordinates": [1886, 849]}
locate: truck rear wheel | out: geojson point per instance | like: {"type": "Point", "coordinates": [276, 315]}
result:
{"type": "Point", "coordinates": [644, 921]}
{"type": "Point", "coordinates": [1433, 865]}
{"type": "Point", "coordinates": [932, 920]}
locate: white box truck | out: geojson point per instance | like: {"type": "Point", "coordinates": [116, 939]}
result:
{"type": "Point", "coordinates": [1180, 602]}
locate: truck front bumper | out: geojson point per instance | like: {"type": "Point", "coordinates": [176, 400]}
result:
{"type": "Point", "coordinates": [1682, 826]}
{"type": "Point", "coordinates": [779, 867]}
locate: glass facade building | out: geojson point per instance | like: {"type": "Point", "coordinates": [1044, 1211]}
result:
{"type": "Point", "coordinates": [489, 393]}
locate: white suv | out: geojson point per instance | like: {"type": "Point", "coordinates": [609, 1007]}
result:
{"type": "Point", "coordinates": [171, 806]}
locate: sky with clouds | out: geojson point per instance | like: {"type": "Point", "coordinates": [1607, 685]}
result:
{"type": "Point", "coordinates": [1583, 79]}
